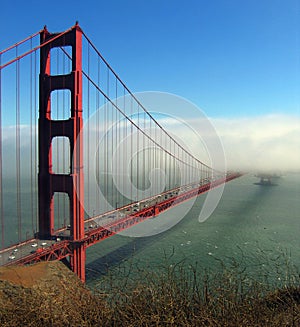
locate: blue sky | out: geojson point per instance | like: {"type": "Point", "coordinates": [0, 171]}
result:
{"type": "Point", "coordinates": [231, 58]}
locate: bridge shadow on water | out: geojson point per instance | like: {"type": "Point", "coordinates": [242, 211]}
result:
{"type": "Point", "coordinates": [265, 184]}
{"type": "Point", "coordinates": [250, 204]}
{"type": "Point", "coordinates": [245, 220]}
{"type": "Point", "coordinates": [101, 266]}
{"type": "Point", "coordinates": [242, 210]}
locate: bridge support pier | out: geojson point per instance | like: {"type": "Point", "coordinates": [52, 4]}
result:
{"type": "Point", "coordinates": [49, 182]}
{"type": "Point", "coordinates": [78, 261]}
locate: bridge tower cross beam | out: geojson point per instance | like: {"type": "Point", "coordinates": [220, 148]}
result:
{"type": "Point", "coordinates": [49, 182]}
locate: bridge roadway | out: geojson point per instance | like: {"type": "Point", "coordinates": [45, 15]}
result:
{"type": "Point", "coordinates": [105, 225]}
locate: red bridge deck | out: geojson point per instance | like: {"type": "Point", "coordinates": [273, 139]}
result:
{"type": "Point", "coordinates": [120, 220]}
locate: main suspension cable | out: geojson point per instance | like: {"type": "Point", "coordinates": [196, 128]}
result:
{"type": "Point", "coordinates": [133, 123]}
{"type": "Point", "coordinates": [138, 102]}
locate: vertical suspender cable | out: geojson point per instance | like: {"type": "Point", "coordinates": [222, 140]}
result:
{"type": "Point", "coordinates": [137, 156]}
{"type": "Point", "coordinates": [150, 154]}
{"type": "Point", "coordinates": [166, 165]}
{"type": "Point", "coordinates": [158, 156]}
{"type": "Point", "coordinates": [65, 171]}
{"type": "Point", "coordinates": [98, 136]}
{"type": "Point", "coordinates": [145, 151]}
{"type": "Point", "coordinates": [1, 174]}
{"type": "Point", "coordinates": [52, 199]}
{"type": "Point", "coordinates": [35, 142]}
{"type": "Point", "coordinates": [31, 143]}
{"type": "Point", "coordinates": [88, 131]}
{"type": "Point", "coordinates": [189, 168]}
{"type": "Point", "coordinates": [124, 156]}
{"type": "Point", "coordinates": [18, 162]}
{"type": "Point", "coordinates": [113, 112]}
{"type": "Point", "coordinates": [170, 164]}
{"type": "Point", "coordinates": [131, 152]}
{"type": "Point", "coordinates": [116, 124]}
{"type": "Point", "coordinates": [173, 165]}
{"type": "Point", "coordinates": [177, 156]}
{"type": "Point", "coordinates": [186, 169]}
{"type": "Point", "coordinates": [58, 162]}
{"type": "Point", "coordinates": [107, 142]}
{"type": "Point", "coordinates": [112, 149]}
{"type": "Point", "coordinates": [104, 151]}
{"type": "Point", "coordinates": [143, 171]}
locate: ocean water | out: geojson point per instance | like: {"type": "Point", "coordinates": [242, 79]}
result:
{"type": "Point", "coordinates": [254, 227]}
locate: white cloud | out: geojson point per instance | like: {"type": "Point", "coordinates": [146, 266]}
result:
{"type": "Point", "coordinates": [269, 142]}
{"type": "Point", "coordinates": [265, 142]}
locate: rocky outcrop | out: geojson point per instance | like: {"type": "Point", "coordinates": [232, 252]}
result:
{"type": "Point", "coordinates": [45, 294]}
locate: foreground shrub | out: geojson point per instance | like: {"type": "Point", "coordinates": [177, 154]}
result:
{"type": "Point", "coordinates": [175, 296]}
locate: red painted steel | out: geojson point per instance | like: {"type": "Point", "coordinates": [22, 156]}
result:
{"type": "Point", "coordinates": [57, 251]}
{"type": "Point", "coordinates": [72, 183]}
{"type": "Point", "coordinates": [65, 248]}
{"type": "Point", "coordinates": [74, 246]}
{"type": "Point", "coordinates": [99, 234]}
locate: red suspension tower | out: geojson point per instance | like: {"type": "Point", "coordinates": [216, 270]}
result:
{"type": "Point", "coordinates": [49, 182]}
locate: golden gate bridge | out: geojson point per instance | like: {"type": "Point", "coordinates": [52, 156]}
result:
{"type": "Point", "coordinates": [50, 83]}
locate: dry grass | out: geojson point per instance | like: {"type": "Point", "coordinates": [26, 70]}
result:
{"type": "Point", "coordinates": [176, 297]}
{"type": "Point", "coordinates": [186, 297]}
